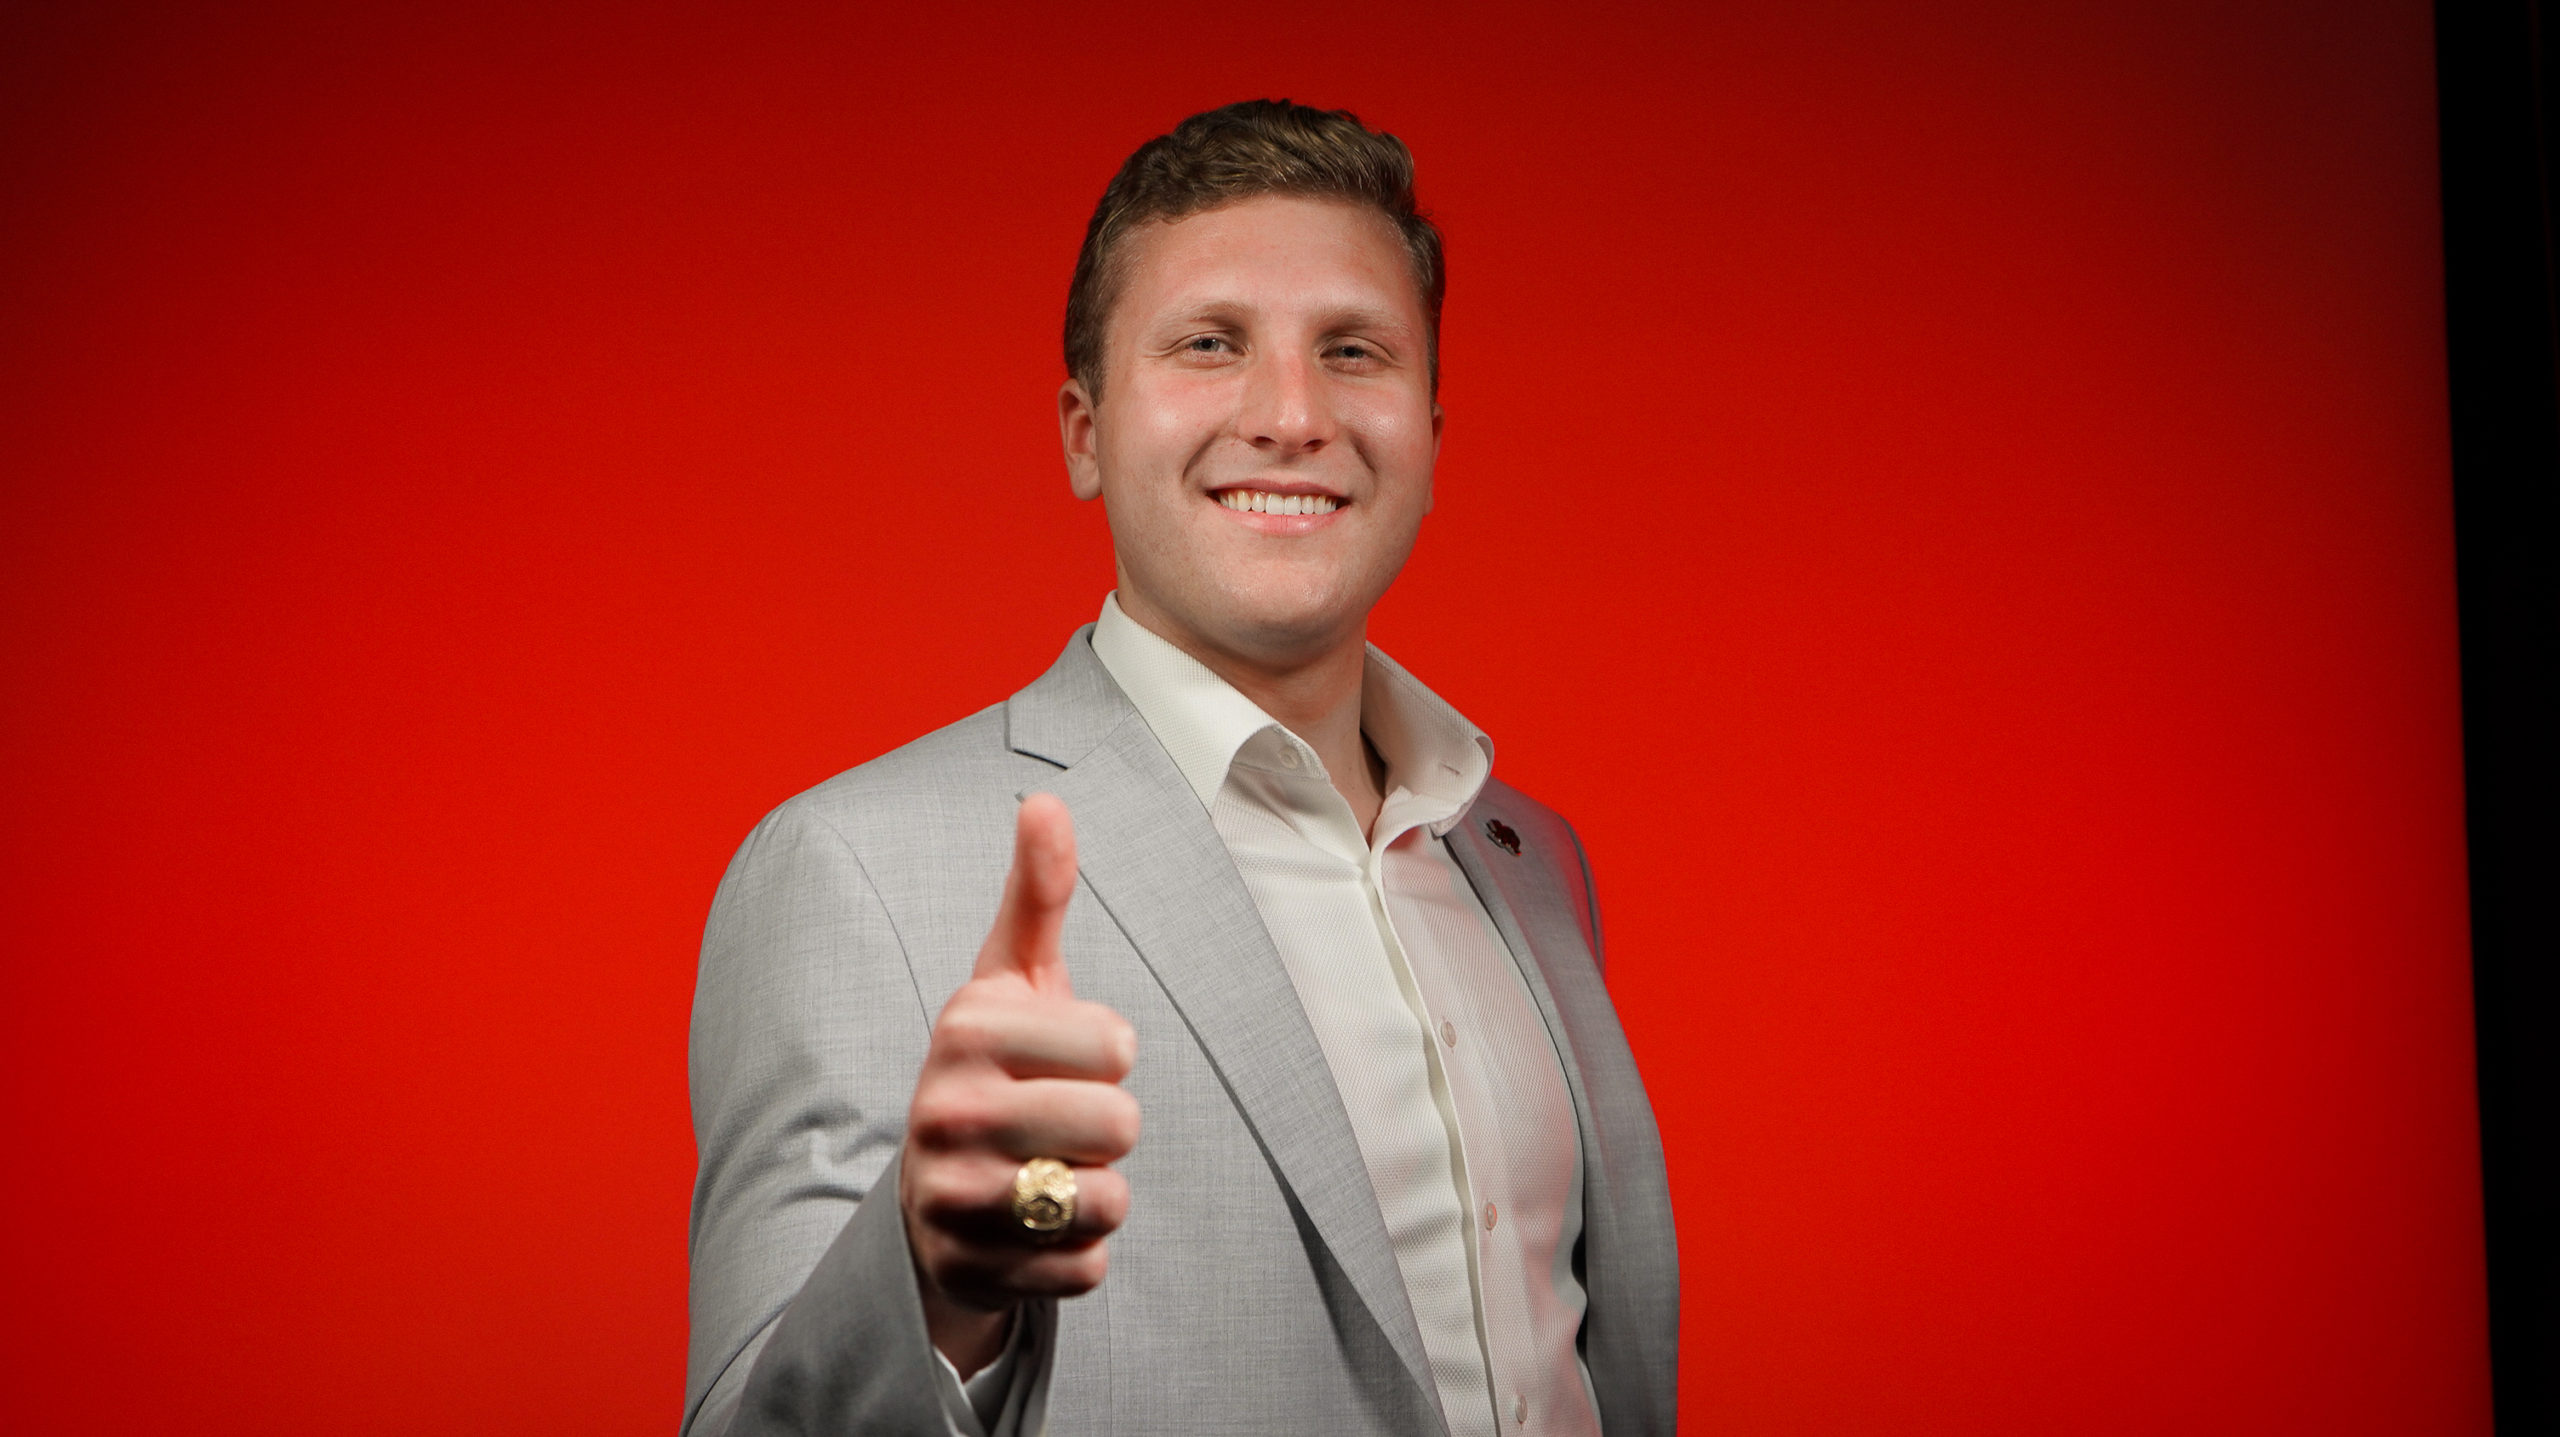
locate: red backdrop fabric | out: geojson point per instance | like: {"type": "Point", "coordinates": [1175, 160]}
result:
{"type": "Point", "coordinates": [1952, 500]}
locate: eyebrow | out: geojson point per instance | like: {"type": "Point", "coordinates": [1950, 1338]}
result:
{"type": "Point", "coordinates": [1362, 317]}
{"type": "Point", "coordinates": [1354, 316]}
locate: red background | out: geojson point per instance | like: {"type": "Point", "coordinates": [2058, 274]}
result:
{"type": "Point", "coordinates": [1951, 499]}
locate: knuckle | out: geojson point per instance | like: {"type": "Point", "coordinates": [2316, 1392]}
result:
{"type": "Point", "coordinates": [1115, 1042]}
{"type": "Point", "coordinates": [932, 1194]}
{"type": "Point", "coordinates": [945, 1115]}
{"type": "Point", "coordinates": [1105, 1201]}
{"type": "Point", "coordinates": [965, 1029]}
{"type": "Point", "coordinates": [1071, 1272]}
{"type": "Point", "coordinates": [1120, 1120]}
{"type": "Point", "coordinates": [1086, 1269]}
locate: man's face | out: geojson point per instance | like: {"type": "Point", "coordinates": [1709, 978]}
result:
{"type": "Point", "coordinates": [1265, 439]}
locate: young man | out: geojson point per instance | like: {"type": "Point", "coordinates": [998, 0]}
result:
{"type": "Point", "coordinates": [1223, 870]}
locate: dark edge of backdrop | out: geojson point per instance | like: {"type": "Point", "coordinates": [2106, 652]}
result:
{"type": "Point", "coordinates": [2494, 69]}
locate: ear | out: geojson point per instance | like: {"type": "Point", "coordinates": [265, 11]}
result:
{"type": "Point", "coordinates": [1075, 436]}
{"type": "Point", "coordinates": [1436, 417]}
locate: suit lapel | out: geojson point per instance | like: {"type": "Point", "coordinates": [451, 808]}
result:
{"type": "Point", "coordinates": [1149, 853]}
{"type": "Point", "coordinates": [1631, 1327]}
{"type": "Point", "coordinates": [1500, 879]}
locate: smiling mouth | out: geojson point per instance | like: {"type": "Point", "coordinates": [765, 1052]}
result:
{"type": "Point", "coordinates": [1256, 501]}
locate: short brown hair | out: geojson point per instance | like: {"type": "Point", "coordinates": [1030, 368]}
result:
{"type": "Point", "coordinates": [1240, 152]}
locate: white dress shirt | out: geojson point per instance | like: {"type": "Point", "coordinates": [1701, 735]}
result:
{"type": "Point", "coordinates": [1452, 1083]}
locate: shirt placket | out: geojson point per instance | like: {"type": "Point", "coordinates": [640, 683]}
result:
{"type": "Point", "coordinates": [1444, 1095]}
{"type": "Point", "coordinates": [1324, 819]}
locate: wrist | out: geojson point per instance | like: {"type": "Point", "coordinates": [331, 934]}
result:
{"type": "Point", "coordinates": [967, 1337]}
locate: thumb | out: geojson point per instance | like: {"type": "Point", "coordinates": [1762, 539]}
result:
{"type": "Point", "coordinates": [1024, 940]}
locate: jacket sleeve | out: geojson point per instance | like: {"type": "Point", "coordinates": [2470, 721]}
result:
{"type": "Point", "coordinates": [808, 1030]}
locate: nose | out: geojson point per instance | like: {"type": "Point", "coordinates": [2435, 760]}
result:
{"type": "Point", "coordinates": [1285, 410]}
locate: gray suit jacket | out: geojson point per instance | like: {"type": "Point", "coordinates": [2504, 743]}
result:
{"type": "Point", "coordinates": [1253, 1288]}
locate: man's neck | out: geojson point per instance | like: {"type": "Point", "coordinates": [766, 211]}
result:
{"type": "Point", "coordinates": [1316, 697]}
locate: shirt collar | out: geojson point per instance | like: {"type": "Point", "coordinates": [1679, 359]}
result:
{"type": "Point", "coordinates": [1435, 758]}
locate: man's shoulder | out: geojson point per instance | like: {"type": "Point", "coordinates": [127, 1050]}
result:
{"type": "Point", "coordinates": [966, 771]}
{"type": "Point", "coordinates": [960, 782]}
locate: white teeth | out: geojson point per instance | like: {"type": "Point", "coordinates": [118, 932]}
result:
{"type": "Point", "coordinates": [1255, 501]}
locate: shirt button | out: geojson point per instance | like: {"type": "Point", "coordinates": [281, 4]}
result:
{"type": "Point", "coordinates": [1448, 1034]}
{"type": "Point", "coordinates": [1288, 758]}
{"type": "Point", "coordinates": [1492, 1215]}
{"type": "Point", "coordinates": [1519, 1408]}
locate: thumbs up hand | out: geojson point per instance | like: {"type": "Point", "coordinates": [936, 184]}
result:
{"type": "Point", "coordinates": [1018, 1068]}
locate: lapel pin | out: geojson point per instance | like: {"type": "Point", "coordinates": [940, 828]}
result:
{"type": "Point", "coordinates": [1500, 832]}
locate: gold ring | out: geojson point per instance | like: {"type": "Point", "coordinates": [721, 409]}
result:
{"type": "Point", "coordinates": [1044, 1197]}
